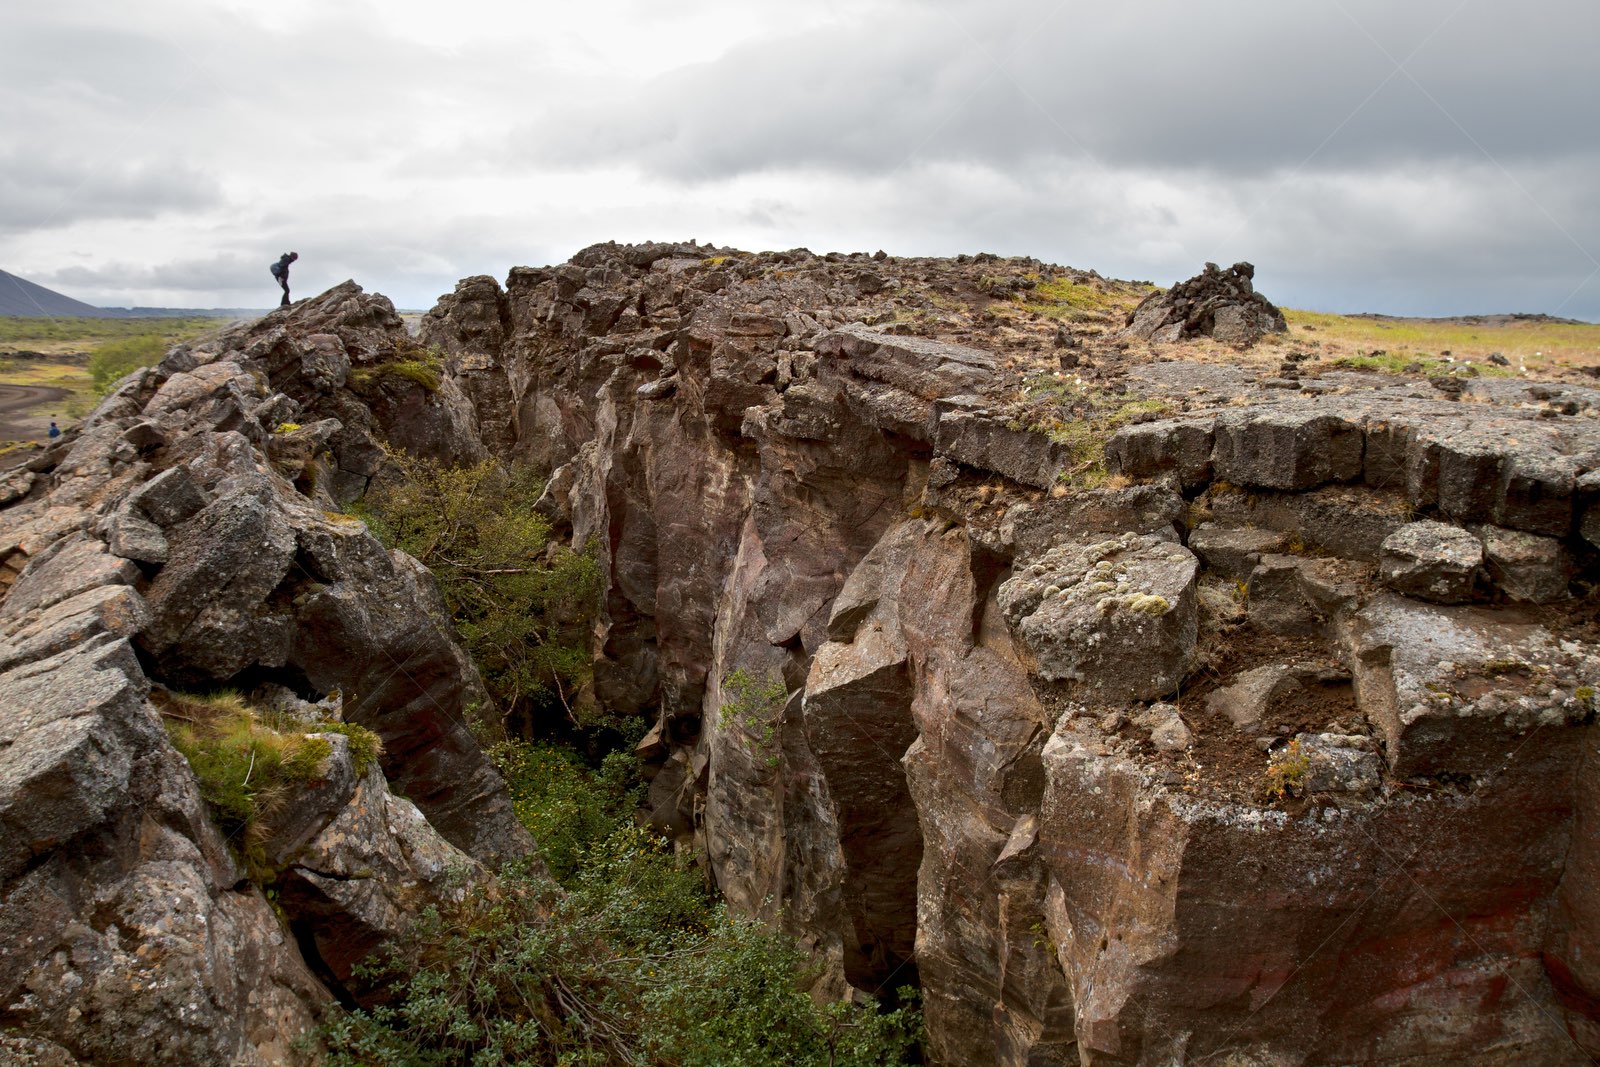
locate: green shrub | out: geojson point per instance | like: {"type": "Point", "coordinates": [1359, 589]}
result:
{"type": "Point", "coordinates": [112, 361]}
{"type": "Point", "coordinates": [567, 807]}
{"type": "Point", "coordinates": [630, 963]}
{"type": "Point", "coordinates": [754, 707]}
{"type": "Point", "coordinates": [521, 603]}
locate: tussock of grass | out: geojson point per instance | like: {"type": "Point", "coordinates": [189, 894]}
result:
{"type": "Point", "coordinates": [413, 363]}
{"type": "Point", "coordinates": [250, 764]}
{"type": "Point", "coordinates": [365, 746]}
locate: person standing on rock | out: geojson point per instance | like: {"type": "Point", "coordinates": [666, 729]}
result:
{"type": "Point", "coordinates": [280, 271]}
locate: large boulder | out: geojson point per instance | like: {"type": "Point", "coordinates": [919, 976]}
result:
{"type": "Point", "coordinates": [1117, 617]}
{"type": "Point", "coordinates": [1432, 561]}
{"type": "Point", "coordinates": [1216, 303]}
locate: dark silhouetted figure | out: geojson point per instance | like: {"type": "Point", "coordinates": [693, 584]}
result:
{"type": "Point", "coordinates": [280, 271]}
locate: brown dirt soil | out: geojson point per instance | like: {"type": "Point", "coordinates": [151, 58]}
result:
{"type": "Point", "coordinates": [1230, 761]}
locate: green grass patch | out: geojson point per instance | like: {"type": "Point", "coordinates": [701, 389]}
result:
{"type": "Point", "coordinates": [251, 764]}
{"type": "Point", "coordinates": [1395, 342]}
{"type": "Point", "coordinates": [1065, 299]}
{"type": "Point", "coordinates": [1081, 417]}
{"type": "Point", "coordinates": [58, 335]}
{"type": "Point", "coordinates": [413, 363]}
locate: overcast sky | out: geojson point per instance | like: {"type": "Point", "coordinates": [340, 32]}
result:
{"type": "Point", "coordinates": [1430, 157]}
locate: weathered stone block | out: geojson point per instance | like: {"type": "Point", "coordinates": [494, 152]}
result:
{"type": "Point", "coordinates": [1117, 617]}
{"type": "Point", "coordinates": [1525, 566]}
{"type": "Point", "coordinates": [1287, 449]}
{"type": "Point", "coordinates": [1234, 552]}
{"type": "Point", "coordinates": [1151, 449]}
{"type": "Point", "coordinates": [1432, 561]}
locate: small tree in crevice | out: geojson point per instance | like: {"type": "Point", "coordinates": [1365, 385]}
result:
{"type": "Point", "coordinates": [521, 602]}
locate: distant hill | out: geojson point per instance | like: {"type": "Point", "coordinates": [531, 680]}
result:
{"type": "Point", "coordinates": [24, 299]}
{"type": "Point", "coordinates": [18, 296]}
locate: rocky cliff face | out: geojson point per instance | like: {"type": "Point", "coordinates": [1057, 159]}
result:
{"type": "Point", "coordinates": [1270, 742]}
{"type": "Point", "coordinates": [190, 538]}
{"type": "Point", "coordinates": [1139, 710]}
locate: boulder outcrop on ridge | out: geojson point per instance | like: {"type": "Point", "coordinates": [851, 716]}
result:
{"type": "Point", "coordinates": [1216, 303]}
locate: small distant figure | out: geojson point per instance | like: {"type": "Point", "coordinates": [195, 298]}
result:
{"type": "Point", "coordinates": [55, 431]}
{"type": "Point", "coordinates": [280, 271]}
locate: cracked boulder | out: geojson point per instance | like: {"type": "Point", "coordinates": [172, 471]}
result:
{"type": "Point", "coordinates": [368, 871]}
{"type": "Point", "coordinates": [1431, 561]}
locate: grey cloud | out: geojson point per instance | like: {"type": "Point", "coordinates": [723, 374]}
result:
{"type": "Point", "coordinates": [1237, 87]}
{"type": "Point", "coordinates": [40, 191]}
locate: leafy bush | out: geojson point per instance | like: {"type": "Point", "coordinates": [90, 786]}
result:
{"type": "Point", "coordinates": [754, 706]}
{"type": "Point", "coordinates": [112, 361]}
{"type": "Point", "coordinates": [521, 603]}
{"type": "Point", "coordinates": [626, 961]}
{"type": "Point", "coordinates": [567, 807]}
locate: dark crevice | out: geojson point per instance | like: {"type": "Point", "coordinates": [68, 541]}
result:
{"type": "Point", "coordinates": [988, 570]}
{"type": "Point", "coordinates": [305, 939]}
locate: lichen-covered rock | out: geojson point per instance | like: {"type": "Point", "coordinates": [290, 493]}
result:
{"type": "Point", "coordinates": [1432, 561]}
{"type": "Point", "coordinates": [1459, 690]}
{"type": "Point", "coordinates": [1115, 617]}
{"type": "Point", "coordinates": [372, 865]}
{"type": "Point", "coordinates": [1339, 763]}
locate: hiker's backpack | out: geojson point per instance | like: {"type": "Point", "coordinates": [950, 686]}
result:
{"type": "Point", "coordinates": [277, 268]}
